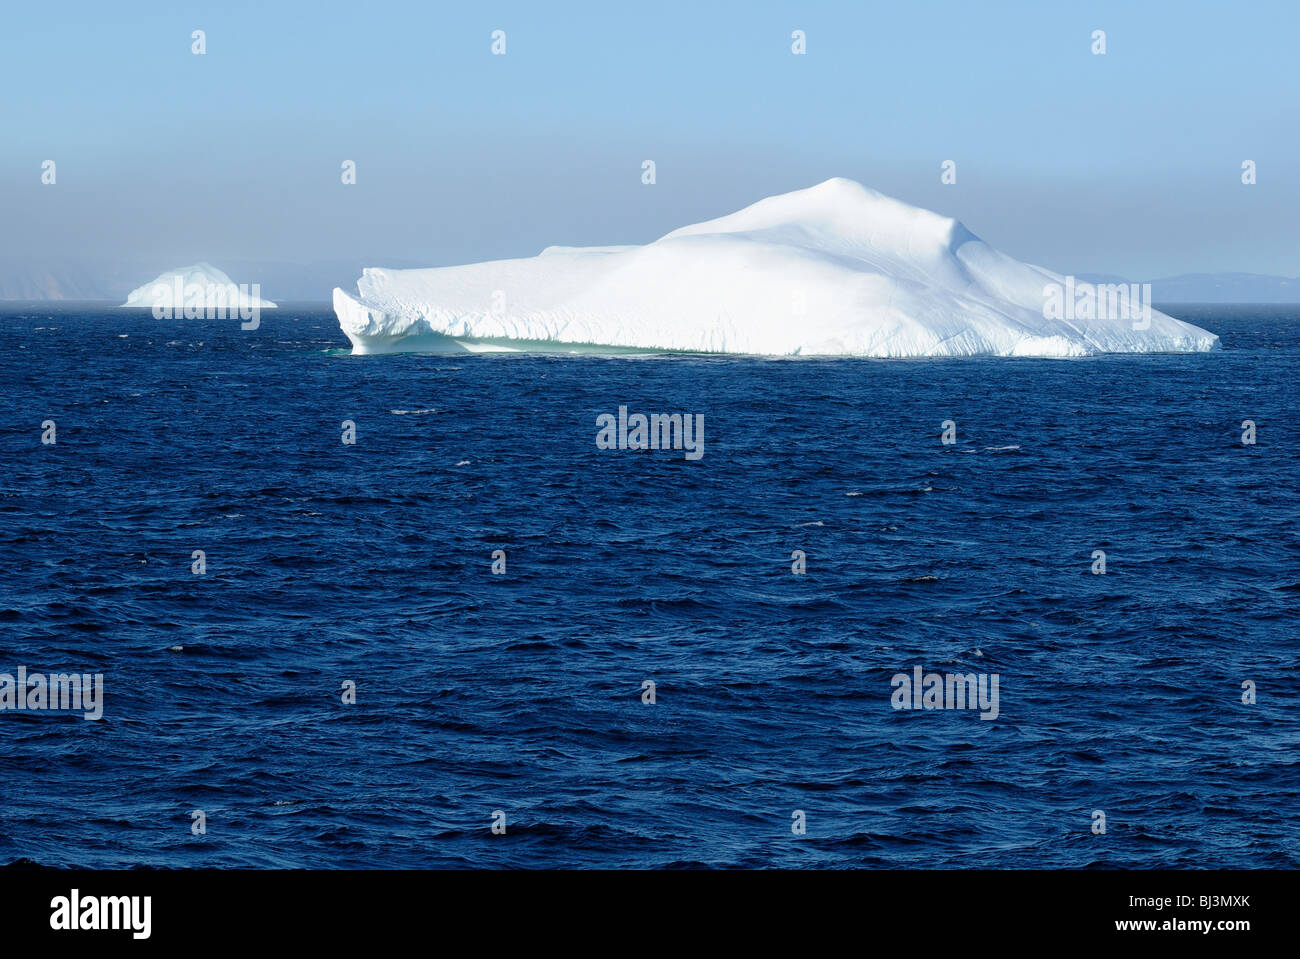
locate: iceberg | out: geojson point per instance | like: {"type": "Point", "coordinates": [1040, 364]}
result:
{"type": "Point", "coordinates": [199, 286]}
{"type": "Point", "coordinates": [833, 270]}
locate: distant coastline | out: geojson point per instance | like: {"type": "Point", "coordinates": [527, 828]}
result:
{"type": "Point", "coordinates": [313, 283]}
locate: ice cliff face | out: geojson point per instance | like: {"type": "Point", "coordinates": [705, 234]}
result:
{"type": "Point", "coordinates": [200, 285]}
{"type": "Point", "coordinates": [836, 269]}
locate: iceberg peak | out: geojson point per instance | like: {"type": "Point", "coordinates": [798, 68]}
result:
{"type": "Point", "coordinates": [842, 215]}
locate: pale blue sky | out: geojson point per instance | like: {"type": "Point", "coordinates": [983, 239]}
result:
{"type": "Point", "coordinates": [1126, 163]}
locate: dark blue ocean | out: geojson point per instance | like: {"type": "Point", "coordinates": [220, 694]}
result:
{"type": "Point", "coordinates": [329, 564]}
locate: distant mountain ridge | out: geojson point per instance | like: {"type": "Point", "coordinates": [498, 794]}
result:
{"type": "Point", "coordinates": [315, 281]}
{"type": "Point", "coordinates": [1214, 287]}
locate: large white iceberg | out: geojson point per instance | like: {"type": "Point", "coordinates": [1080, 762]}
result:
{"type": "Point", "coordinates": [200, 286]}
{"type": "Point", "coordinates": [836, 269]}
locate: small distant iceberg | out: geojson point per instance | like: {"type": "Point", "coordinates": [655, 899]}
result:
{"type": "Point", "coordinates": [833, 270]}
{"type": "Point", "coordinates": [201, 287]}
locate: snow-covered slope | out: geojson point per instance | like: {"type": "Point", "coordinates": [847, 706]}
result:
{"type": "Point", "coordinates": [836, 269]}
{"type": "Point", "coordinates": [199, 285]}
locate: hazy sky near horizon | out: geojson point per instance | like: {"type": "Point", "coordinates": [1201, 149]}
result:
{"type": "Point", "coordinates": [1126, 163]}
